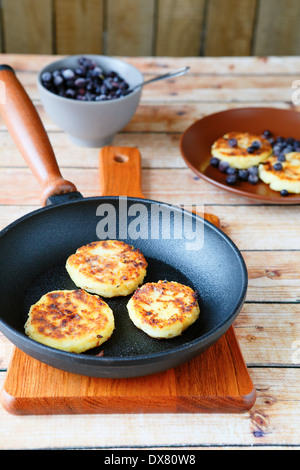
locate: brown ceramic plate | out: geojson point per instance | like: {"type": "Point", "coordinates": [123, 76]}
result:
{"type": "Point", "coordinates": [196, 142]}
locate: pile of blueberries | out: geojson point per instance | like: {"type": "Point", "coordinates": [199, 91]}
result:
{"type": "Point", "coordinates": [86, 82]}
{"type": "Point", "coordinates": [281, 147]}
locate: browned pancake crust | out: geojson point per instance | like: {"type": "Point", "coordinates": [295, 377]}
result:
{"type": "Point", "coordinates": [244, 141]}
{"type": "Point", "coordinates": [289, 172]}
{"type": "Point", "coordinates": [129, 263]}
{"type": "Point", "coordinates": [57, 317]}
{"type": "Point", "coordinates": [181, 306]}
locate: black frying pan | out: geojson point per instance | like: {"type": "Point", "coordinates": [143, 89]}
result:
{"type": "Point", "coordinates": [34, 249]}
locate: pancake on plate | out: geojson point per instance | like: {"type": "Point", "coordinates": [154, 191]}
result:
{"type": "Point", "coordinates": [242, 150]}
{"type": "Point", "coordinates": [108, 268]}
{"type": "Point", "coordinates": [282, 175]}
{"type": "Point", "coordinates": [163, 309]}
{"type": "Point", "coordinates": [70, 320]}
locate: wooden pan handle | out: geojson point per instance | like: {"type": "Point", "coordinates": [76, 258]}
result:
{"type": "Point", "coordinates": [120, 171]}
{"type": "Point", "coordinates": [28, 132]}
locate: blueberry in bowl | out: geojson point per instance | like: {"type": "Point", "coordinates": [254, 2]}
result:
{"type": "Point", "coordinates": [89, 96]}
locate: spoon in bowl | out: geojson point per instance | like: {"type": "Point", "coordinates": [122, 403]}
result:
{"type": "Point", "coordinates": [175, 73]}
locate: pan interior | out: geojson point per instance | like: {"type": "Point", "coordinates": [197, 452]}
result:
{"type": "Point", "coordinates": [32, 263]}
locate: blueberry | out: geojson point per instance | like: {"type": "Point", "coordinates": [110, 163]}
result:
{"type": "Point", "coordinates": [46, 77]}
{"type": "Point", "coordinates": [223, 166]}
{"type": "Point", "coordinates": [58, 80]}
{"type": "Point", "coordinates": [287, 149]}
{"type": "Point", "coordinates": [296, 144]}
{"type": "Point", "coordinates": [277, 148]}
{"type": "Point", "coordinates": [267, 133]}
{"type": "Point", "coordinates": [290, 140]}
{"type": "Point", "coordinates": [279, 139]}
{"type": "Point", "coordinates": [253, 170]}
{"type": "Point", "coordinates": [97, 72]}
{"type": "Point", "coordinates": [86, 82]}
{"type": "Point", "coordinates": [253, 179]}
{"type": "Point", "coordinates": [284, 192]}
{"type": "Point", "coordinates": [68, 74]}
{"type": "Point", "coordinates": [232, 143]}
{"type": "Point", "coordinates": [232, 179]}
{"type": "Point", "coordinates": [214, 161]}
{"type": "Point", "coordinates": [101, 98]}
{"type": "Point", "coordinates": [243, 175]}
{"type": "Point", "coordinates": [256, 145]}
{"type": "Point", "coordinates": [277, 167]}
{"type": "Point", "coordinates": [70, 93]}
{"type": "Point", "coordinates": [80, 82]}
{"type": "Point", "coordinates": [250, 149]}
{"type": "Point", "coordinates": [79, 71]}
{"type": "Point", "coordinates": [281, 157]}
{"type": "Point", "coordinates": [231, 171]}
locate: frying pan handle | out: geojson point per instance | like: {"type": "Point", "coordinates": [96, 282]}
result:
{"type": "Point", "coordinates": [28, 132]}
{"type": "Point", "coordinates": [120, 171]}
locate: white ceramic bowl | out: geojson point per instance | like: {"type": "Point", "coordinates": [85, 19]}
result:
{"type": "Point", "coordinates": [92, 123]}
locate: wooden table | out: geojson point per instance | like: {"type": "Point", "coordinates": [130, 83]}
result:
{"type": "Point", "coordinates": [268, 236]}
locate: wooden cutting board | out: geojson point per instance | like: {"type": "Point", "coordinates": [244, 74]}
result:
{"type": "Point", "coordinates": [215, 381]}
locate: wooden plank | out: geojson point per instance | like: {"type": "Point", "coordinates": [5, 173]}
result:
{"type": "Point", "coordinates": [233, 66]}
{"type": "Point", "coordinates": [79, 26]}
{"type": "Point", "coordinates": [229, 27]}
{"type": "Point", "coordinates": [27, 26]}
{"type": "Point", "coordinates": [20, 187]}
{"type": "Point", "coordinates": [277, 31]}
{"type": "Point", "coordinates": [268, 334]}
{"type": "Point", "coordinates": [130, 27]}
{"type": "Point", "coordinates": [152, 124]}
{"type": "Point", "coordinates": [214, 89]}
{"type": "Point", "coordinates": [179, 27]}
{"type": "Point", "coordinates": [273, 276]}
{"type": "Point", "coordinates": [273, 421]}
{"type": "Point", "coordinates": [251, 226]}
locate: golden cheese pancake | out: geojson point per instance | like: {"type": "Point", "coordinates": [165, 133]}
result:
{"type": "Point", "coordinates": [108, 268]}
{"type": "Point", "coordinates": [286, 177]}
{"type": "Point", "coordinates": [233, 149]}
{"type": "Point", "coordinates": [163, 309]}
{"type": "Point", "coordinates": [70, 320]}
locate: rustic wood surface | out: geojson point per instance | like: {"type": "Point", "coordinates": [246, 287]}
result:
{"type": "Point", "coordinates": [268, 236]}
{"type": "Point", "coordinates": [151, 27]}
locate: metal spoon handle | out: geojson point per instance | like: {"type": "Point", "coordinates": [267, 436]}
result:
{"type": "Point", "coordinates": [175, 73]}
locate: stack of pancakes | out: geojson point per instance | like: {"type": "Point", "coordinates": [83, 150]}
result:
{"type": "Point", "coordinates": [243, 150]}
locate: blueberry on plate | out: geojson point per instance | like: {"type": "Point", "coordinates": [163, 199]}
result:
{"type": "Point", "coordinates": [243, 175]}
{"type": "Point", "coordinates": [232, 179]}
{"type": "Point", "coordinates": [267, 133]}
{"type": "Point", "coordinates": [253, 170]}
{"type": "Point", "coordinates": [252, 178]}
{"type": "Point", "coordinates": [223, 166]}
{"type": "Point", "coordinates": [214, 161]}
{"type": "Point", "coordinates": [256, 145]}
{"type": "Point", "coordinates": [277, 166]}
{"type": "Point", "coordinates": [231, 171]}
{"type": "Point", "coordinates": [284, 192]}
{"type": "Point", "coordinates": [232, 143]}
